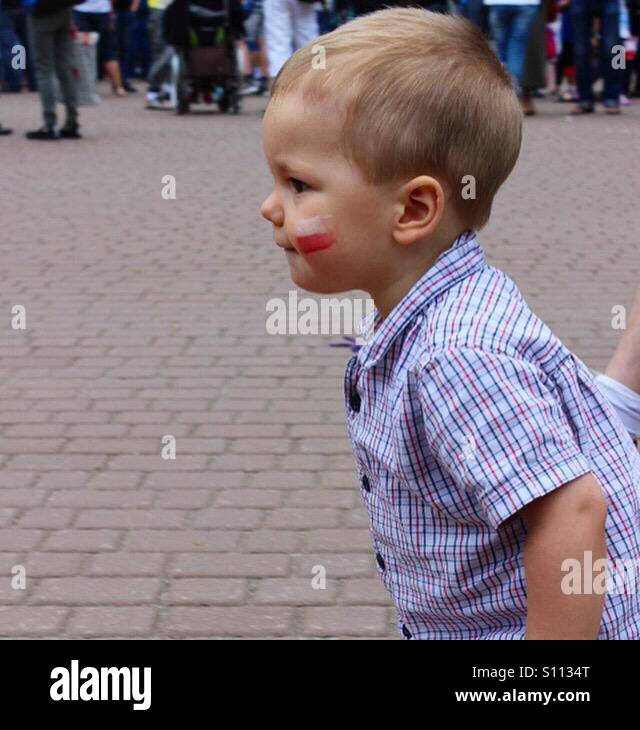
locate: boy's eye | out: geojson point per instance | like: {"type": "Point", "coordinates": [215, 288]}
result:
{"type": "Point", "coordinates": [298, 185]}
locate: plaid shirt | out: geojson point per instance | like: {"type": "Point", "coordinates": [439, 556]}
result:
{"type": "Point", "coordinates": [462, 408]}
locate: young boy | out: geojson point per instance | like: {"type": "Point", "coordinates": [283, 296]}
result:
{"type": "Point", "coordinates": [487, 456]}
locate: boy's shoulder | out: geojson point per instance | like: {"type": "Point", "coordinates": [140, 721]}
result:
{"type": "Point", "coordinates": [486, 312]}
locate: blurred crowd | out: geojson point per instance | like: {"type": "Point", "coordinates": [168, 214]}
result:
{"type": "Point", "coordinates": [576, 51]}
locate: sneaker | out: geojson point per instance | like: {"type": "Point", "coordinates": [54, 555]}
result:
{"type": "Point", "coordinates": [70, 131]}
{"type": "Point", "coordinates": [158, 101]}
{"type": "Point", "coordinates": [44, 133]}
{"type": "Point", "coordinates": [249, 89]}
{"type": "Point", "coordinates": [129, 88]}
{"type": "Point", "coordinates": [4, 131]}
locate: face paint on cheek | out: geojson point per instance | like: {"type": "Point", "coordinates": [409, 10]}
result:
{"type": "Point", "coordinates": [313, 235]}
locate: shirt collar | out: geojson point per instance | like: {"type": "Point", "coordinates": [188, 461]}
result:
{"type": "Point", "coordinates": [462, 259]}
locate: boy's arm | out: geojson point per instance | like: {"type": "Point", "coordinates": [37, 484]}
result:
{"type": "Point", "coordinates": [563, 524]}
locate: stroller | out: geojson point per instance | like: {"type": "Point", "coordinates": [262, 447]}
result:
{"type": "Point", "coordinates": [204, 34]}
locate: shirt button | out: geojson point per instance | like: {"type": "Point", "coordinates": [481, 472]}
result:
{"type": "Point", "coordinates": [406, 633]}
{"type": "Point", "coordinates": [354, 401]}
{"type": "Point", "coordinates": [365, 483]}
{"type": "Point", "coordinates": [380, 561]}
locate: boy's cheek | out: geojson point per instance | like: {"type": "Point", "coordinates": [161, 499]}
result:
{"type": "Point", "coordinates": [315, 242]}
{"type": "Point", "coordinates": [315, 235]}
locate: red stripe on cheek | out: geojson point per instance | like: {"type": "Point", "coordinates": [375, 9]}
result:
{"type": "Point", "coordinates": [315, 242]}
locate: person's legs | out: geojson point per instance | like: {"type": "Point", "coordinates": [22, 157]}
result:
{"type": "Point", "coordinates": [278, 33]}
{"type": "Point", "coordinates": [475, 11]}
{"type": "Point", "coordinates": [121, 43]}
{"type": "Point", "coordinates": [582, 18]}
{"type": "Point", "coordinates": [161, 53]}
{"type": "Point", "coordinates": [125, 39]}
{"type": "Point", "coordinates": [43, 35]}
{"type": "Point", "coordinates": [610, 37]}
{"type": "Point", "coordinates": [499, 27]}
{"type": "Point", "coordinates": [107, 51]}
{"type": "Point", "coordinates": [20, 23]}
{"type": "Point", "coordinates": [64, 62]}
{"type": "Point", "coordinates": [141, 46]}
{"type": "Point", "coordinates": [522, 21]}
{"type": "Point", "coordinates": [305, 24]}
{"type": "Point", "coordinates": [8, 40]}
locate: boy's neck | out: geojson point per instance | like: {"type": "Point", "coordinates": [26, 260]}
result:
{"type": "Point", "coordinates": [388, 297]}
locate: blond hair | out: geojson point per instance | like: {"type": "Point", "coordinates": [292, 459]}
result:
{"type": "Point", "coordinates": [423, 93]}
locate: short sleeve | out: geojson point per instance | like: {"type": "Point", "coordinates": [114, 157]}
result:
{"type": "Point", "coordinates": [497, 428]}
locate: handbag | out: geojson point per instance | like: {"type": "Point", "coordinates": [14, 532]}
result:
{"type": "Point", "coordinates": [84, 67]}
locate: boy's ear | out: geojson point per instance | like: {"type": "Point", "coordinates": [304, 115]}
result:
{"type": "Point", "coordinates": [420, 207]}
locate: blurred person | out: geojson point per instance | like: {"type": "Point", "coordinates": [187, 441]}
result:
{"type": "Point", "coordinates": [17, 12]}
{"type": "Point", "coordinates": [256, 66]}
{"type": "Point", "coordinates": [125, 11]}
{"type": "Point", "coordinates": [161, 54]}
{"type": "Point", "coordinates": [511, 23]}
{"type": "Point", "coordinates": [634, 21]}
{"type": "Point", "coordinates": [288, 25]}
{"type": "Point", "coordinates": [51, 28]}
{"type": "Point", "coordinates": [583, 13]}
{"type": "Point", "coordinates": [621, 379]}
{"type": "Point", "coordinates": [553, 49]}
{"type": "Point", "coordinates": [141, 47]}
{"type": "Point", "coordinates": [629, 45]}
{"type": "Point", "coordinates": [534, 73]}
{"type": "Point", "coordinates": [476, 12]}
{"type": "Point", "coordinates": [95, 16]}
{"type": "Point", "coordinates": [8, 75]}
{"type": "Point", "coordinates": [565, 70]}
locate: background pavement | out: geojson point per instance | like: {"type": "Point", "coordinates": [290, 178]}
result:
{"type": "Point", "coordinates": [146, 317]}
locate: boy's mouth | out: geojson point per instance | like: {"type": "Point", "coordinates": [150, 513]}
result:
{"type": "Point", "coordinates": [286, 246]}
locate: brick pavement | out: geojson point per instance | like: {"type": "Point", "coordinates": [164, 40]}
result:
{"type": "Point", "coordinates": [146, 317]}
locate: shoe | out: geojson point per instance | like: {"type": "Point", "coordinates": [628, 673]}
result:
{"type": "Point", "coordinates": [45, 133]}
{"type": "Point", "coordinates": [611, 107]}
{"type": "Point", "coordinates": [567, 97]}
{"type": "Point", "coordinates": [129, 88]}
{"type": "Point", "coordinates": [249, 89]}
{"type": "Point", "coordinates": [157, 100]}
{"type": "Point", "coordinates": [528, 108]}
{"type": "Point", "coordinates": [70, 131]}
{"type": "Point", "coordinates": [162, 104]}
{"type": "Point", "coordinates": [4, 131]}
{"type": "Point", "coordinates": [582, 108]}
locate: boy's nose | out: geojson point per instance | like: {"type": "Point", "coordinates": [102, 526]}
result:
{"type": "Point", "coordinates": [272, 210]}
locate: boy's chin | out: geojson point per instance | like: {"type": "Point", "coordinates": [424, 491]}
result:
{"type": "Point", "coordinates": [316, 284]}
